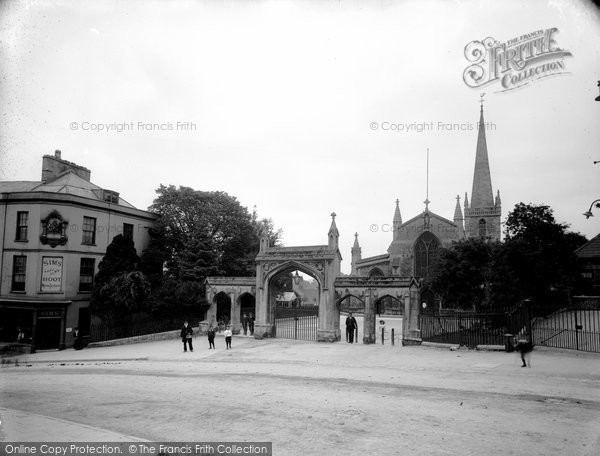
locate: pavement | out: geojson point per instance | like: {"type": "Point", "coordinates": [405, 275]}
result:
{"type": "Point", "coordinates": [20, 426]}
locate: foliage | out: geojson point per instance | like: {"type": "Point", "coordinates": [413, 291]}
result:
{"type": "Point", "coordinates": [198, 234]}
{"type": "Point", "coordinates": [536, 259]}
{"type": "Point", "coordinates": [119, 288]}
{"type": "Point", "coordinates": [460, 273]}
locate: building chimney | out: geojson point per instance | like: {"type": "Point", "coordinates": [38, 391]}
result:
{"type": "Point", "coordinates": [54, 165]}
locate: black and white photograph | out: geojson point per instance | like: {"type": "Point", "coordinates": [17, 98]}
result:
{"type": "Point", "coordinates": [299, 227]}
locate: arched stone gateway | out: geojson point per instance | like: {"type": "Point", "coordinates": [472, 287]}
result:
{"type": "Point", "coordinates": [370, 290]}
{"type": "Point", "coordinates": [287, 316]}
{"type": "Point", "coordinates": [321, 262]}
{"type": "Point", "coordinates": [237, 290]}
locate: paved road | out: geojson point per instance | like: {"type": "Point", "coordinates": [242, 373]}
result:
{"type": "Point", "coordinates": [314, 398]}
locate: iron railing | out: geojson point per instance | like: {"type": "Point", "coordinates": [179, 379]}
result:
{"type": "Point", "coordinates": [102, 331]}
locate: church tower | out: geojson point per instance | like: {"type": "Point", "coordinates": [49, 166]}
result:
{"type": "Point", "coordinates": [482, 216]}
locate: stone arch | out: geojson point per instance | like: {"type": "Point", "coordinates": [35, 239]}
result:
{"type": "Point", "coordinates": [289, 266]}
{"type": "Point", "coordinates": [376, 272]}
{"type": "Point", "coordinates": [425, 250]}
{"type": "Point", "coordinates": [389, 304]}
{"type": "Point", "coordinates": [344, 307]}
{"type": "Point", "coordinates": [222, 302]}
{"type": "Point", "coordinates": [246, 303]}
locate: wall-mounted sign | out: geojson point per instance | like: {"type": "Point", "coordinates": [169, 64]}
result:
{"type": "Point", "coordinates": [49, 314]}
{"type": "Point", "coordinates": [52, 271]}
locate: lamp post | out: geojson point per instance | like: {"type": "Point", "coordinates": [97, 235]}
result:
{"type": "Point", "coordinates": [589, 214]}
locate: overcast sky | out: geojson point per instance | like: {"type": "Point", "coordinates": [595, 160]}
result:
{"type": "Point", "coordinates": [293, 104]}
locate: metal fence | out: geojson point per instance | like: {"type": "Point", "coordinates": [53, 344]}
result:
{"type": "Point", "coordinates": [101, 331]}
{"type": "Point", "coordinates": [569, 323]}
{"type": "Point", "coordinates": [297, 322]}
{"type": "Point", "coordinates": [574, 325]}
{"type": "Point", "coordinates": [474, 328]}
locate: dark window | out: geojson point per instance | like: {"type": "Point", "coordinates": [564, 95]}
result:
{"type": "Point", "coordinates": [482, 228]}
{"type": "Point", "coordinates": [128, 230]}
{"type": "Point", "coordinates": [22, 219]}
{"type": "Point", "coordinates": [19, 268]}
{"type": "Point", "coordinates": [86, 274]}
{"type": "Point", "coordinates": [89, 230]}
{"type": "Point", "coordinates": [426, 249]}
{"type": "Point", "coordinates": [376, 272]}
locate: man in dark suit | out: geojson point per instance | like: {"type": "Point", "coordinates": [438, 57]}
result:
{"type": "Point", "coordinates": [351, 327]}
{"type": "Point", "coordinates": [186, 336]}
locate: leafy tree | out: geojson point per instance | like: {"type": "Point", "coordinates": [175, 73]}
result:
{"type": "Point", "coordinates": [119, 288]}
{"type": "Point", "coordinates": [536, 259]}
{"type": "Point", "coordinates": [198, 234]}
{"type": "Point", "coordinates": [460, 274]}
{"type": "Point", "coordinates": [539, 252]}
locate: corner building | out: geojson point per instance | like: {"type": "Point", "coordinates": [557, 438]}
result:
{"type": "Point", "coordinates": [54, 234]}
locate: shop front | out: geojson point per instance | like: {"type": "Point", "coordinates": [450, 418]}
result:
{"type": "Point", "coordinates": [39, 324]}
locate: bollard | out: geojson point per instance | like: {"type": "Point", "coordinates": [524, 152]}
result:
{"type": "Point", "coordinates": [382, 329]}
{"type": "Point", "coordinates": [392, 336]}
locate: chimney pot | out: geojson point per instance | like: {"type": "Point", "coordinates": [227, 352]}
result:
{"type": "Point", "coordinates": [57, 153]}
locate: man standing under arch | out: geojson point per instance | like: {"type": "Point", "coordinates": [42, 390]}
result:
{"type": "Point", "coordinates": [351, 327]}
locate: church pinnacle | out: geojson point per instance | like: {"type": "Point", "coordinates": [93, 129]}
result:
{"type": "Point", "coordinates": [397, 222]}
{"type": "Point", "coordinates": [356, 255]}
{"type": "Point", "coordinates": [334, 234]}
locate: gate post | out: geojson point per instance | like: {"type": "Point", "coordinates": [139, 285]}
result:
{"type": "Point", "coordinates": [411, 334]}
{"type": "Point", "coordinates": [369, 320]}
{"type": "Point", "coordinates": [263, 326]}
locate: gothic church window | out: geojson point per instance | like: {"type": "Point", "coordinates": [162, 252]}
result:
{"type": "Point", "coordinates": [482, 228]}
{"type": "Point", "coordinates": [426, 249]}
{"type": "Point", "coordinates": [376, 272]}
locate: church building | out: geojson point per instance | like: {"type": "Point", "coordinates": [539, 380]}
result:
{"type": "Point", "coordinates": [415, 241]}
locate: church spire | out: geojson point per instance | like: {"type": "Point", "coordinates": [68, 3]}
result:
{"type": "Point", "coordinates": [482, 216]}
{"type": "Point", "coordinates": [482, 195]}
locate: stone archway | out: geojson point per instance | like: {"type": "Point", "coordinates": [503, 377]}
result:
{"type": "Point", "coordinates": [322, 262]}
{"type": "Point", "coordinates": [223, 303]}
{"type": "Point", "coordinates": [233, 287]}
{"type": "Point", "coordinates": [372, 289]}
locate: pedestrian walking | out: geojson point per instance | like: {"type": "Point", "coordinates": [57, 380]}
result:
{"type": "Point", "coordinates": [525, 347]}
{"type": "Point", "coordinates": [251, 323]}
{"type": "Point", "coordinates": [351, 327]}
{"type": "Point", "coordinates": [228, 335]}
{"type": "Point", "coordinates": [186, 336]}
{"type": "Point", "coordinates": [211, 337]}
{"type": "Point", "coordinates": [245, 323]}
